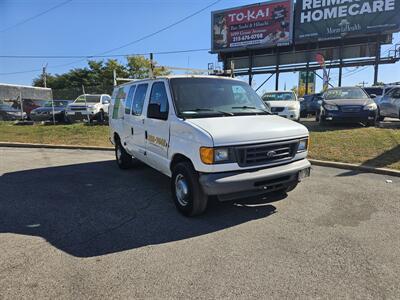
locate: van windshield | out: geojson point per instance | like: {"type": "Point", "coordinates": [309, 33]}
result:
{"type": "Point", "coordinates": [212, 97]}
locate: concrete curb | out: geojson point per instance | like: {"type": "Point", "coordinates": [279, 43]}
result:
{"type": "Point", "coordinates": [316, 162]}
{"type": "Point", "coordinates": [354, 167]}
{"type": "Point", "coordinates": [50, 146]}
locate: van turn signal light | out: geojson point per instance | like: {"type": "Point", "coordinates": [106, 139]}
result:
{"type": "Point", "coordinates": [207, 155]}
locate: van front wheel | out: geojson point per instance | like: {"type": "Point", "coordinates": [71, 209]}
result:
{"type": "Point", "coordinates": [186, 190]}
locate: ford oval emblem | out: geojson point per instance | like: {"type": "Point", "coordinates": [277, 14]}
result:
{"type": "Point", "coordinates": [271, 154]}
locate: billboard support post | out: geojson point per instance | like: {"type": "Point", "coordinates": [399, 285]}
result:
{"type": "Point", "coordinates": [250, 68]}
{"type": "Point", "coordinates": [277, 70]}
{"type": "Point", "coordinates": [307, 72]}
{"type": "Point", "coordinates": [340, 64]}
{"type": "Point", "coordinates": [377, 59]}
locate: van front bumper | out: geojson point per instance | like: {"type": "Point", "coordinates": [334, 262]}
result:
{"type": "Point", "coordinates": [245, 182]}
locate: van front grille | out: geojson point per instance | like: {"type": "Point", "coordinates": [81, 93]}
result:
{"type": "Point", "coordinates": [266, 153]}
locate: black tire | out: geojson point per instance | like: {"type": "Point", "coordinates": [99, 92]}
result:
{"type": "Point", "coordinates": [192, 201]}
{"type": "Point", "coordinates": [372, 123]}
{"type": "Point", "coordinates": [321, 120]}
{"type": "Point", "coordinates": [65, 118]}
{"type": "Point", "coordinates": [124, 159]}
{"type": "Point", "coordinates": [379, 117]}
{"type": "Point", "coordinates": [317, 116]}
{"type": "Point", "coordinates": [100, 116]}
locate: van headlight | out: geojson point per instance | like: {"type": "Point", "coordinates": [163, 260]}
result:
{"type": "Point", "coordinates": [211, 156]}
{"type": "Point", "coordinates": [303, 145]}
{"type": "Point", "coordinates": [371, 106]}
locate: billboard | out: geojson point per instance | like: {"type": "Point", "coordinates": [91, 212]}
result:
{"type": "Point", "coordinates": [301, 91]}
{"type": "Point", "coordinates": [318, 20]}
{"type": "Point", "coordinates": [260, 25]}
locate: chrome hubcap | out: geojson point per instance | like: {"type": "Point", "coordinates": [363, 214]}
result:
{"type": "Point", "coordinates": [181, 189]}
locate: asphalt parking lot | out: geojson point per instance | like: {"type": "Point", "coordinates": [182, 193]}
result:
{"type": "Point", "coordinates": [72, 225]}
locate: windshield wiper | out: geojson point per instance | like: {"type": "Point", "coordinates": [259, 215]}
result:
{"type": "Point", "coordinates": [250, 107]}
{"type": "Point", "coordinates": [225, 113]}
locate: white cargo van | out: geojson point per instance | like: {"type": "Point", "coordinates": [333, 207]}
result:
{"type": "Point", "coordinates": [211, 135]}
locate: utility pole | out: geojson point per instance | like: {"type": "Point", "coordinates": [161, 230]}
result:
{"type": "Point", "coordinates": [363, 83]}
{"type": "Point", "coordinates": [151, 71]}
{"type": "Point", "coordinates": [44, 75]}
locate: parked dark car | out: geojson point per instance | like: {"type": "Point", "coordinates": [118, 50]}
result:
{"type": "Point", "coordinates": [9, 113]}
{"type": "Point", "coordinates": [310, 105]}
{"type": "Point", "coordinates": [45, 113]}
{"type": "Point", "coordinates": [347, 104]}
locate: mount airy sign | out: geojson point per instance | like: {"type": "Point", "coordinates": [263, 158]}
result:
{"type": "Point", "coordinates": [319, 20]}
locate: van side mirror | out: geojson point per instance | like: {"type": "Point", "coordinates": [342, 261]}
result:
{"type": "Point", "coordinates": [154, 112]}
{"type": "Point", "coordinates": [373, 96]}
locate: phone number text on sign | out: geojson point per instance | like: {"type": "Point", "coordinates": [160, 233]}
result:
{"type": "Point", "coordinates": [247, 37]}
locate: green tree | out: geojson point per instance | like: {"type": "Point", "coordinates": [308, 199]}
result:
{"type": "Point", "coordinates": [97, 77]}
{"type": "Point", "coordinates": [139, 68]}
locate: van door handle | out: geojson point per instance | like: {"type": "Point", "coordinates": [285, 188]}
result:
{"type": "Point", "coordinates": [145, 134]}
{"type": "Point", "coordinates": [132, 130]}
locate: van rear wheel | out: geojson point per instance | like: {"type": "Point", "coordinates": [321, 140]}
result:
{"type": "Point", "coordinates": [124, 160]}
{"type": "Point", "coordinates": [187, 192]}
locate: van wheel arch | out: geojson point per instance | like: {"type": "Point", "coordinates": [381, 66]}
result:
{"type": "Point", "coordinates": [177, 158]}
{"type": "Point", "coordinates": [116, 138]}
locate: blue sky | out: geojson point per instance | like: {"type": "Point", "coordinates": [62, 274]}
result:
{"type": "Point", "coordinates": [88, 27]}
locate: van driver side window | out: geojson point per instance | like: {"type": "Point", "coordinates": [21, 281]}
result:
{"type": "Point", "coordinates": [159, 96]}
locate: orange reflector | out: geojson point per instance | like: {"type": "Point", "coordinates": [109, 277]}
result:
{"type": "Point", "coordinates": [207, 155]}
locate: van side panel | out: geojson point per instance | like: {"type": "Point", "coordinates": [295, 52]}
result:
{"type": "Point", "coordinates": [116, 112]}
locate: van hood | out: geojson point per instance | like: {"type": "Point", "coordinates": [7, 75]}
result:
{"type": "Point", "coordinates": [340, 102]}
{"type": "Point", "coordinates": [284, 103]}
{"type": "Point", "coordinates": [237, 130]}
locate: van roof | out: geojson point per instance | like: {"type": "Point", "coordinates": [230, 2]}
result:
{"type": "Point", "coordinates": [176, 76]}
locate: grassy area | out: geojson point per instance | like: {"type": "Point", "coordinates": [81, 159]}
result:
{"type": "Point", "coordinates": [74, 134]}
{"type": "Point", "coordinates": [369, 146]}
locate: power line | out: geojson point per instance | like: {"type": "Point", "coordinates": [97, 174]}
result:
{"type": "Point", "coordinates": [35, 16]}
{"type": "Point", "coordinates": [94, 56]}
{"type": "Point", "coordinates": [100, 56]}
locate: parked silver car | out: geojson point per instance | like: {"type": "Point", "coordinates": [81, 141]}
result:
{"type": "Point", "coordinates": [389, 104]}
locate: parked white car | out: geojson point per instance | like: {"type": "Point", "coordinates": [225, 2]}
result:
{"type": "Point", "coordinates": [89, 106]}
{"type": "Point", "coordinates": [210, 135]}
{"type": "Point", "coordinates": [284, 104]}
